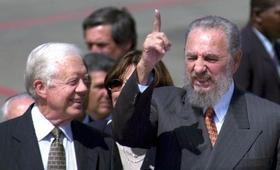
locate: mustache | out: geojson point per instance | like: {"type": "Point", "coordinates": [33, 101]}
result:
{"type": "Point", "coordinates": [204, 75]}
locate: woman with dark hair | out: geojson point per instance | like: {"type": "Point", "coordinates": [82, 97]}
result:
{"type": "Point", "coordinates": [122, 70]}
{"type": "Point", "coordinates": [134, 158]}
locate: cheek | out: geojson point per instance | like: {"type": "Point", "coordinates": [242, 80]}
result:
{"type": "Point", "coordinates": [219, 70]}
{"type": "Point", "coordinates": [188, 67]}
{"type": "Point", "coordinates": [95, 92]}
{"type": "Point", "coordinates": [115, 96]}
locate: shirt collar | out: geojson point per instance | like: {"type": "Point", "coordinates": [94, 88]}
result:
{"type": "Point", "coordinates": [43, 126]}
{"type": "Point", "coordinates": [266, 43]}
{"type": "Point", "coordinates": [222, 106]}
{"type": "Point", "coordinates": [88, 119]}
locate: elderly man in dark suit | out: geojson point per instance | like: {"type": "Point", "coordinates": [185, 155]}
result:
{"type": "Point", "coordinates": [208, 124]}
{"type": "Point", "coordinates": [45, 136]}
{"type": "Point", "coordinates": [259, 71]}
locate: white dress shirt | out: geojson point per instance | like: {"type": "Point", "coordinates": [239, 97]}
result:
{"type": "Point", "coordinates": [42, 130]}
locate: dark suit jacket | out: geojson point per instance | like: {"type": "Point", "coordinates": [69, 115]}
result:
{"type": "Point", "coordinates": [19, 149]}
{"type": "Point", "coordinates": [149, 160]}
{"type": "Point", "coordinates": [257, 72]}
{"type": "Point", "coordinates": [100, 125]}
{"type": "Point", "coordinates": [249, 137]}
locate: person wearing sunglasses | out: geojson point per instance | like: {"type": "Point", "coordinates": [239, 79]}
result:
{"type": "Point", "coordinates": [120, 73]}
{"type": "Point", "coordinates": [133, 158]}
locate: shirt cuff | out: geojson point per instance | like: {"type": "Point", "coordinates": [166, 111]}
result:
{"type": "Point", "coordinates": [142, 88]}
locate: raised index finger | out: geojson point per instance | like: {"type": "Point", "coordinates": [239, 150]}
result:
{"type": "Point", "coordinates": [157, 21]}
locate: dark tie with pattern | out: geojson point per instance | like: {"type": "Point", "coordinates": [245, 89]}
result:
{"type": "Point", "coordinates": [210, 125]}
{"type": "Point", "coordinates": [56, 160]}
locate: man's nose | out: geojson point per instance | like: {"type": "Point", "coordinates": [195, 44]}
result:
{"type": "Point", "coordinates": [82, 87]}
{"type": "Point", "coordinates": [200, 66]}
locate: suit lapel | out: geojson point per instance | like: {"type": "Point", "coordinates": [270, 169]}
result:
{"type": "Point", "coordinates": [190, 132]}
{"type": "Point", "coordinates": [84, 160]}
{"type": "Point", "coordinates": [235, 137]}
{"type": "Point", "coordinates": [24, 142]}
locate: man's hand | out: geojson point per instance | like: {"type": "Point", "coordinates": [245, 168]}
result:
{"type": "Point", "coordinates": [155, 46]}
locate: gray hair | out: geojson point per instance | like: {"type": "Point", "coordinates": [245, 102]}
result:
{"type": "Point", "coordinates": [42, 63]}
{"type": "Point", "coordinates": [216, 22]}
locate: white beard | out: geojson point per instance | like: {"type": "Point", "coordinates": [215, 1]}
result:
{"type": "Point", "coordinates": [205, 99]}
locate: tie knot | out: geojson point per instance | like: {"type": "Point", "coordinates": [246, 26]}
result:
{"type": "Point", "coordinates": [56, 132]}
{"type": "Point", "coordinates": [210, 112]}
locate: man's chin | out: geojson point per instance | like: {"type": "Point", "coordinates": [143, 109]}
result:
{"type": "Point", "coordinates": [202, 90]}
{"type": "Point", "coordinates": [76, 110]}
{"type": "Point", "coordinates": [105, 111]}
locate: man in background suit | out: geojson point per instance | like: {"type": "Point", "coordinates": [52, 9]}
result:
{"type": "Point", "coordinates": [259, 71]}
{"type": "Point", "coordinates": [244, 133]}
{"type": "Point", "coordinates": [99, 105]}
{"type": "Point", "coordinates": [110, 31]}
{"type": "Point", "coordinates": [56, 77]}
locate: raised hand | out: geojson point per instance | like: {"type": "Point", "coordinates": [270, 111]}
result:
{"type": "Point", "coordinates": [155, 46]}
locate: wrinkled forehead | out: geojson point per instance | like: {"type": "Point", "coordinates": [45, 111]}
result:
{"type": "Point", "coordinates": [70, 65]}
{"type": "Point", "coordinates": [200, 37]}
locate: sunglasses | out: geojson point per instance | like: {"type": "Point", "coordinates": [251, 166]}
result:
{"type": "Point", "coordinates": [115, 85]}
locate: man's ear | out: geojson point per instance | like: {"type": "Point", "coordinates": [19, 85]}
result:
{"type": "Point", "coordinates": [40, 88]}
{"type": "Point", "coordinates": [237, 59]}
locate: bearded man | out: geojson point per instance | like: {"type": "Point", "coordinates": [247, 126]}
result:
{"type": "Point", "coordinates": [208, 124]}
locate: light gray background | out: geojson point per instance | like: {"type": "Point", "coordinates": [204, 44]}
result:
{"type": "Point", "coordinates": [24, 24]}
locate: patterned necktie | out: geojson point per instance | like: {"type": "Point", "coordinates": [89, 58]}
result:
{"type": "Point", "coordinates": [56, 160]}
{"type": "Point", "coordinates": [210, 125]}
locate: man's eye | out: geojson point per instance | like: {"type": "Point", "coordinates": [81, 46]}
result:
{"type": "Point", "coordinates": [73, 82]}
{"type": "Point", "coordinates": [211, 58]}
{"type": "Point", "coordinates": [99, 86]}
{"type": "Point", "coordinates": [89, 45]}
{"type": "Point", "coordinates": [191, 58]}
{"type": "Point", "coordinates": [102, 45]}
{"type": "Point", "coordinates": [86, 80]}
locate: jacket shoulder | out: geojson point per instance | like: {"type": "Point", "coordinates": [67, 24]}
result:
{"type": "Point", "coordinates": [89, 136]}
{"type": "Point", "coordinates": [257, 104]}
{"type": "Point", "coordinates": [169, 91]}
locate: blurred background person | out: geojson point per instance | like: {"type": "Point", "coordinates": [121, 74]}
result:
{"type": "Point", "coordinates": [111, 31]}
{"type": "Point", "coordinates": [259, 71]}
{"type": "Point", "coordinates": [16, 105]}
{"type": "Point", "coordinates": [133, 158]}
{"type": "Point", "coordinates": [99, 105]}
